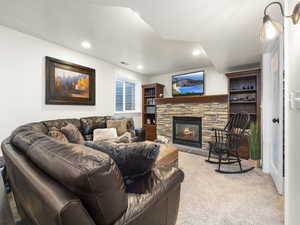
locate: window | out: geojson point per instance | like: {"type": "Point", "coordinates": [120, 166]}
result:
{"type": "Point", "coordinates": [126, 96]}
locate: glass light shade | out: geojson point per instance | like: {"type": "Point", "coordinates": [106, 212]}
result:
{"type": "Point", "coordinates": [296, 14]}
{"type": "Point", "coordinates": [270, 29]}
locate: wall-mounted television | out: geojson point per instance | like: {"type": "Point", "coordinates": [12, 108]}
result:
{"type": "Point", "coordinates": [188, 84]}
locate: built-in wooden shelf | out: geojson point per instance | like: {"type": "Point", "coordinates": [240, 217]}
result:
{"type": "Point", "coordinates": [239, 86]}
{"type": "Point", "coordinates": [242, 102]}
{"type": "Point", "coordinates": [242, 91]}
{"type": "Point", "coordinates": [193, 99]}
{"type": "Point", "coordinates": [149, 93]}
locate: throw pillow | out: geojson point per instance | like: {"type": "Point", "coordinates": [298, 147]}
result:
{"type": "Point", "coordinates": [104, 134]}
{"type": "Point", "coordinates": [73, 134]}
{"type": "Point", "coordinates": [125, 138]}
{"type": "Point", "coordinates": [134, 159]}
{"type": "Point", "coordinates": [57, 134]}
{"type": "Point", "coordinates": [89, 124]}
{"type": "Point", "coordinates": [120, 125]}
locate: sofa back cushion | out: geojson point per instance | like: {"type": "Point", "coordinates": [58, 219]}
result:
{"type": "Point", "coordinates": [61, 123]}
{"type": "Point", "coordinates": [24, 139]}
{"type": "Point", "coordinates": [25, 135]}
{"type": "Point", "coordinates": [93, 176]}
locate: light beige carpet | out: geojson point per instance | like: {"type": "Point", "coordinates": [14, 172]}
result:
{"type": "Point", "coordinates": [210, 198]}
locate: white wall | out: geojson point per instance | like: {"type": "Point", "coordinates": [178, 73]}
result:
{"type": "Point", "coordinates": [292, 66]}
{"type": "Point", "coordinates": [215, 82]}
{"type": "Point", "coordinates": [22, 88]}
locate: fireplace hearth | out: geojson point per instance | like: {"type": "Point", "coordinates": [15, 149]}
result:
{"type": "Point", "coordinates": [187, 131]}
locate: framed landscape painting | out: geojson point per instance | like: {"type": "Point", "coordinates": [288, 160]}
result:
{"type": "Point", "coordinates": [68, 83]}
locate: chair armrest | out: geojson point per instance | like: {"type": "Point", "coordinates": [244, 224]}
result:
{"type": "Point", "coordinates": [139, 134]}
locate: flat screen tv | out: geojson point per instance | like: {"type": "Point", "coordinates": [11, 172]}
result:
{"type": "Point", "coordinates": [188, 84]}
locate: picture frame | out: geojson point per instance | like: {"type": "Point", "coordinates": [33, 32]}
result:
{"type": "Point", "coordinates": [68, 83]}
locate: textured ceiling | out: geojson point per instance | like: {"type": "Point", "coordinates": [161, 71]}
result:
{"type": "Point", "coordinates": [161, 36]}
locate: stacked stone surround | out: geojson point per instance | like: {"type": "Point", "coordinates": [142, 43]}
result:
{"type": "Point", "coordinates": [214, 115]}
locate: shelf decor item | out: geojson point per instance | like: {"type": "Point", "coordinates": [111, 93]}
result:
{"type": "Point", "coordinates": [68, 83]}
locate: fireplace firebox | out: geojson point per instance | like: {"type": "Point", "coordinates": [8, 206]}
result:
{"type": "Point", "coordinates": [187, 131]}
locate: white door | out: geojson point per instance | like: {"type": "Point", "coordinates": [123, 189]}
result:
{"type": "Point", "coordinates": [277, 151]}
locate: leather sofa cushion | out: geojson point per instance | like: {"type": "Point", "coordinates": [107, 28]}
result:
{"type": "Point", "coordinates": [133, 159]}
{"type": "Point", "coordinates": [38, 127]}
{"type": "Point", "coordinates": [61, 123]}
{"type": "Point", "coordinates": [25, 135]}
{"type": "Point", "coordinates": [93, 176]}
{"type": "Point", "coordinates": [40, 199]}
{"type": "Point", "coordinates": [24, 139]}
{"type": "Point", "coordinates": [72, 133]}
{"type": "Point", "coordinates": [89, 124]}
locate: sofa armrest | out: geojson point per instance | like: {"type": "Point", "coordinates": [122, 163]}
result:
{"type": "Point", "coordinates": [160, 180]}
{"type": "Point", "coordinates": [155, 199]}
{"type": "Point", "coordinates": [139, 134]}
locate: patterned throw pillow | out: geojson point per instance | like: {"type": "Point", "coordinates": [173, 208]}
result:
{"type": "Point", "coordinates": [125, 138]}
{"type": "Point", "coordinates": [105, 134]}
{"type": "Point", "coordinates": [120, 125]}
{"type": "Point", "coordinates": [57, 134]}
{"type": "Point", "coordinates": [73, 134]}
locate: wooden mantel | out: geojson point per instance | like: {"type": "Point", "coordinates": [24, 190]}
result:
{"type": "Point", "coordinates": [193, 99]}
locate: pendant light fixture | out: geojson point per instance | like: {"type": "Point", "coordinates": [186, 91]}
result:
{"type": "Point", "coordinates": [272, 29]}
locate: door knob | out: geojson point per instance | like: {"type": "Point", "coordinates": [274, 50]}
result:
{"type": "Point", "coordinates": [275, 120]}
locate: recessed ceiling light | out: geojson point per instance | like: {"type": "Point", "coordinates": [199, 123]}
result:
{"type": "Point", "coordinates": [124, 63]}
{"type": "Point", "coordinates": [196, 52]}
{"type": "Point", "coordinates": [86, 44]}
{"type": "Point", "coordinates": [140, 67]}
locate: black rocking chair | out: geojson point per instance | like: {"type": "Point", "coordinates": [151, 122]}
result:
{"type": "Point", "coordinates": [227, 141]}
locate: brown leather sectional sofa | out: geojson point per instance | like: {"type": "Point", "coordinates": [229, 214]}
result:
{"type": "Point", "coordinates": [55, 183]}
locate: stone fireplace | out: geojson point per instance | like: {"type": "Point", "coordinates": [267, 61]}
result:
{"type": "Point", "coordinates": [187, 131]}
{"type": "Point", "coordinates": [213, 111]}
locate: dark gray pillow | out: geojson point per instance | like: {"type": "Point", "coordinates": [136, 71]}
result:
{"type": "Point", "coordinates": [89, 124]}
{"type": "Point", "coordinates": [133, 159]}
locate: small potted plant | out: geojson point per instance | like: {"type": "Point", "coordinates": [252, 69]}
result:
{"type": "Point", "coordinates": [255, 153]}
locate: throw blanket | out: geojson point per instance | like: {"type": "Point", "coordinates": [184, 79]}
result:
{"type": "Point", "coordinates": [133, 159]}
